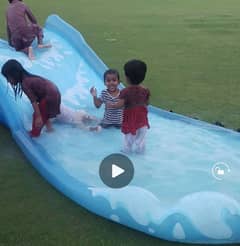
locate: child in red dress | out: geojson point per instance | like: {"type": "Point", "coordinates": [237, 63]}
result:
{"type": "Point", "coordinates": [43, 94]}
{"type": "Point", "coordinates": [22, 28]}
{"type": "Point", "coordinates": [134, 99]}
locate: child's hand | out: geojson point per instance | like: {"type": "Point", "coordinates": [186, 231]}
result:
{"type": "Point", "coordinates": [93, 91]}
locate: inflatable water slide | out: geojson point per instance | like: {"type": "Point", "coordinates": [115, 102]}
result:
{"type": "Point", "coordinates": [186, 187]}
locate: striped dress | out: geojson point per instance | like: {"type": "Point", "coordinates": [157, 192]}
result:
{"type": "Point", "coordinates": [112, 117]}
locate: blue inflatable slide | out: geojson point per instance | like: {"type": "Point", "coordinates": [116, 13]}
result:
{"type": "Point", "coordinates": [186, 187]}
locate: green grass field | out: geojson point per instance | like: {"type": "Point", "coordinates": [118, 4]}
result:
{"type": "Point", "coordinates": [192, 51]}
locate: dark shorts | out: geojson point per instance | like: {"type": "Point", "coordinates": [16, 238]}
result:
{"type": "Point", "coordinates": [110, 125]}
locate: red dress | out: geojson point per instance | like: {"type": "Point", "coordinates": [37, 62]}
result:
{"type": "Point", "coordinates": [135, 113]}
{"type": "Point", "coordinates": [48, 97]}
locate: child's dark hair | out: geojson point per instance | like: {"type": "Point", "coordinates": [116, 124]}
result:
{"type": "Point", "coordinates": [135, 70]}
{"type": "Point", "coordinates": [10, 1]}
{"type": "Point", "coordinates": [111, 71]}
{"type": "Point", "coordinates": [13, 69]}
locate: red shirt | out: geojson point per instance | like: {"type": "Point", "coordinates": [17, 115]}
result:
{"type": "Point", "coordinates": [135, 95]}
{"type": "Point", "coordinates": [135, 113]}
{"type": "Point", "coordinates": [37, 88]}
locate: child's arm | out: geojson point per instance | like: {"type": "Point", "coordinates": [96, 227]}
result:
{"type": "Point", "coordinates": [30, 15]}
{"type": "Point", "coordinates": [148, 96]}
{"type": "Point", "coordinates": [97, 102]}
{"type": "Point", "coordinates": [9, 36]}
{"type": "Point", "coordinates": [8, 32]}
{"type": "Point", "coordinates": [116, 105]}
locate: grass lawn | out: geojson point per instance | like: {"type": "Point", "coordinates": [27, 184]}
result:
{"type": "Point", "coordinates": [192, 51]}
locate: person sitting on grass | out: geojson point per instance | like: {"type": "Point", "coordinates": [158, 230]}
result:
{"type": "Point", "coordinates": [112, 117]}
{"type": "Point", "coordinates": [43, 94]}
{"type": "Point", "coordinates": [134, 99]}
{"type": "Point", "coordinates": [22, 28]}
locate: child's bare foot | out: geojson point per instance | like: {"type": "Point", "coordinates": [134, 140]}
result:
{"type": "Point", "coordinates": [42, 46]}
{"type": "Point", "coordinates": [95, 129]}
{"type": "Point", "coordinates": [49, 127]}
{"type": "Point", "coordinates": [30, 53]}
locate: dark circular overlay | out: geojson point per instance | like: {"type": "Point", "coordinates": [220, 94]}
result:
{"type": "Point", "coordinates": [116, 170]}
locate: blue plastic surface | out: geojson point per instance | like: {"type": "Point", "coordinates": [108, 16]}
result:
{"type": "Point", "coordinates": [174, 194]}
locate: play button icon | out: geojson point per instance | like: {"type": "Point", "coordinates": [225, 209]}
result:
{"type": "Point", "coordinates": [116, 170]}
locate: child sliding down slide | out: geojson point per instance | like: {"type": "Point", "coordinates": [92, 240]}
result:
{"type": "Point", "coordinates": [78, 118]}
{"type": "Point", "coordinates": [22, 28]}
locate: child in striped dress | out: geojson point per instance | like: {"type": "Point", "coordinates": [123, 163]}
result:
{"type": "Point", "coordinates": [112, 117]}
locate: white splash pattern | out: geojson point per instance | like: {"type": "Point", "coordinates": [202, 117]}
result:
{"type": "Point", "coordinates": [178, 232]}
{"type": "Point", "coordinates": [150, 230]}
{"type": "Point", "coordinates": [115, 218]}
{"type": "Point", "coordinates": [52, 57]}
{"type": "Point", "coordinates": [204, 209]}
{"type": "Point", "coordinates": [120, 198]}
{"type": "Point", "coordinates": [79, 91]}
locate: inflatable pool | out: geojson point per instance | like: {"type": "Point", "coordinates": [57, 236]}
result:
{"type": "Point", "coordinates": [186, 187]}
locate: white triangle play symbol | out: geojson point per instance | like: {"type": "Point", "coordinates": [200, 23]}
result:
{"type": "Point", "coordinates": [116, 171]}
